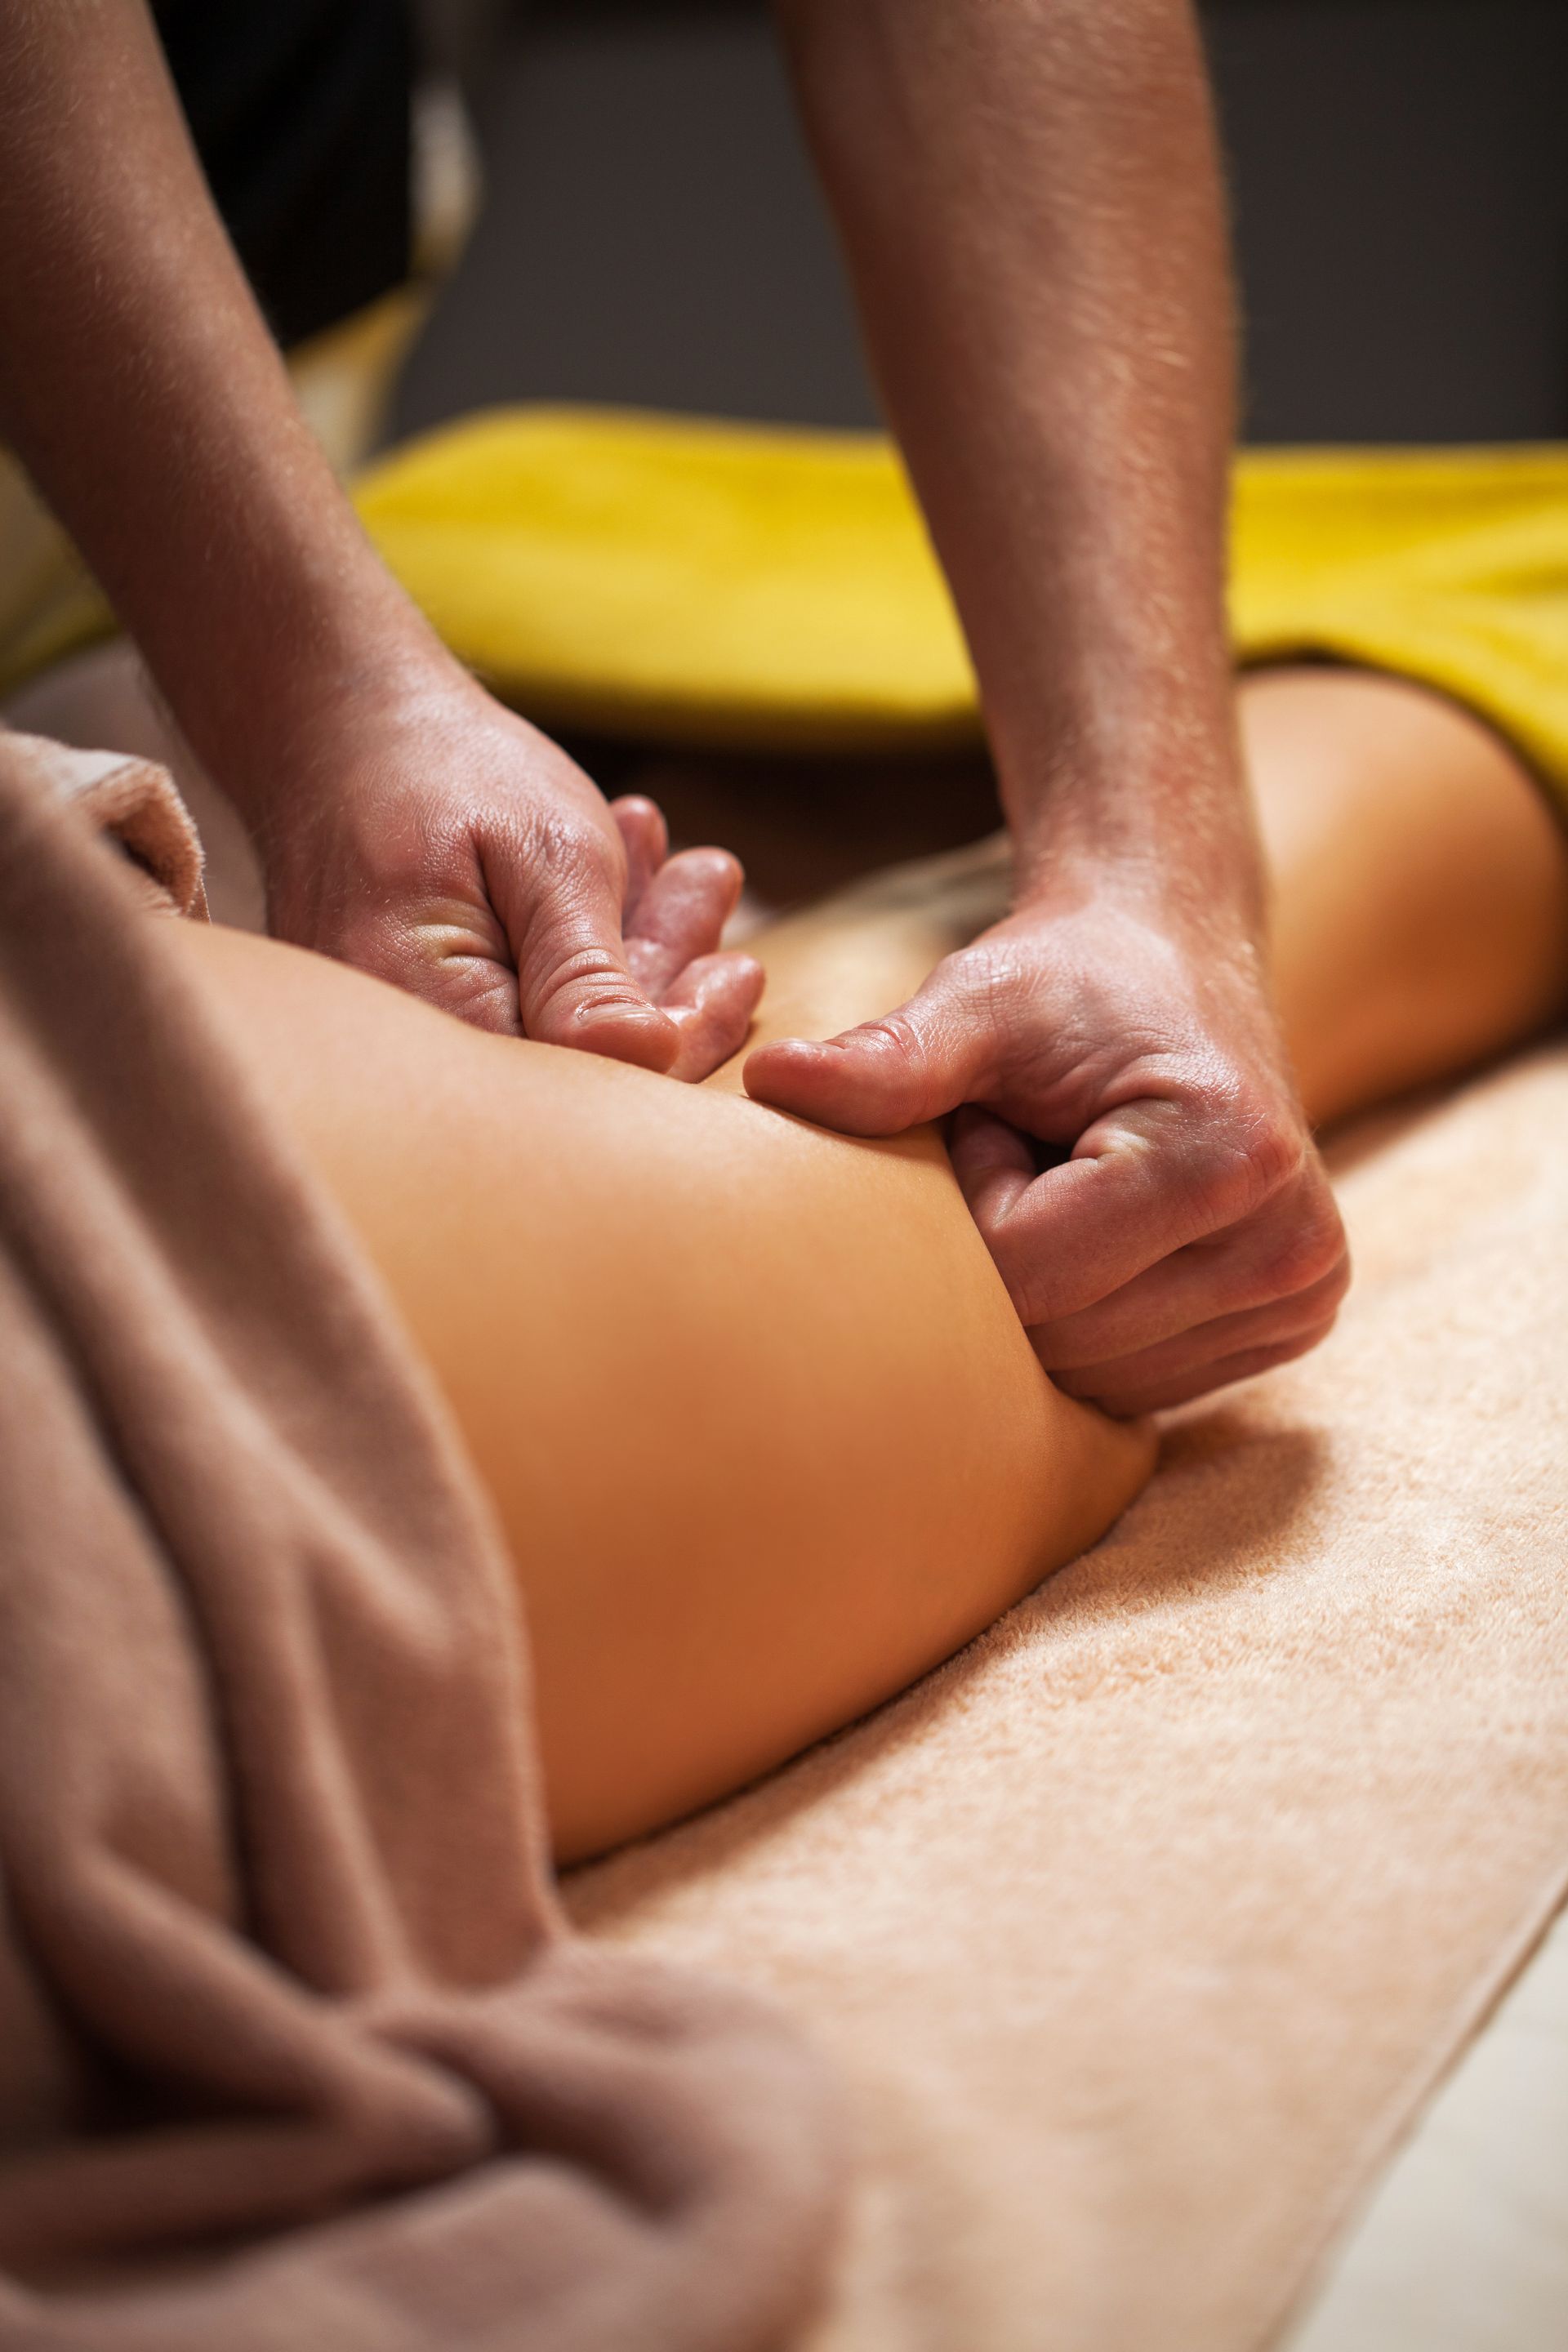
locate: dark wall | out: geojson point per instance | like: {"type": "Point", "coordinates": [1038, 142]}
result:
{"type": "Point", "coordinates": [651, 232]}
{"type": "Point", "coordinates": [1400, 184]}
{"type": "Point", "coordinates": [1399, 173]}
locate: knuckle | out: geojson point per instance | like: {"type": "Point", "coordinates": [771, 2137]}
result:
{"type": "Point", "coordinates": [895, 1038]}
{"type": "Point", "coordinates": [586, 979]}
{"type": "Point", "coordinates": [983, 984]}
{"type": "Point", "coordinates": [1309, 1251]}
{"type": "Point", "coordinates": [1246, 1163]}
{"type": "Point", "coordinates": [565, 841]}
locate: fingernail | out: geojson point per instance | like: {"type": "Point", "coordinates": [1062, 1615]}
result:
{"type": "Point", "coordinates": [799, 1049]}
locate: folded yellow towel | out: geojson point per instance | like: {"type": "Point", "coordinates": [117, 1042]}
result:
{"type": "Point", "coordinates": [769, 589]}
{"type": "Point", "coordinates": [700, 582]}
{"type": "Point", "coordinates": [1449, 566]}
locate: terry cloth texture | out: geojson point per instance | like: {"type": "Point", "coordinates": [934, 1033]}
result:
{"type": "Point", "coordinates": [285, 1993]}
{"type": "Point", "coordinates": [768, 590]}
{"type": "Point", "coordinates": [132, 801]}
{"type": "Point", "coordinates": [1141, 1930]}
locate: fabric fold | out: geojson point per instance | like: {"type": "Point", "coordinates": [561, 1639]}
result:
{"type": "Point", "coordinates": [136, 801]}
{"type": "Point", "coordinates": [284, 1988]}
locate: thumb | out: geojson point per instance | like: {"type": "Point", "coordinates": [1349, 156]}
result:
{"type": "Point", "coordinates": [917, 1064]}
{"type": "Point", "coordinates": [574, 984]}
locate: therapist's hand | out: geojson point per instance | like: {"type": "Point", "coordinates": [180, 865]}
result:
{"type": "Point", "coordinates": [435, 839]}
{"type": "Point", "coordinates": [1176, 1230]}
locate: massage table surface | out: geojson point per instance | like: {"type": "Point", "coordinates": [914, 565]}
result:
{"type": "Point", "coordinates": [1144, 1931]}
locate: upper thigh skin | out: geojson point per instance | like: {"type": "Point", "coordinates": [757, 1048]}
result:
{"type": "Point", "coordinates": [758, 1420]}
{"type": "Point", "coordinates": [1418, 881]}
{"type": "Point", "coordinates": [1417, 876]}
{"type": "Point", "coordinates": [759, 1423]}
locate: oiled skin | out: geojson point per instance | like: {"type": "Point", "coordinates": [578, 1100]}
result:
{"type": "Point", "coordinates": [760, 1425]}
{"type": "Point", "coordinates": [762, 1429]}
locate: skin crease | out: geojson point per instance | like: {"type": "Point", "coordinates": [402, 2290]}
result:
{"type": "Point", "coordinates": [758, 1421]}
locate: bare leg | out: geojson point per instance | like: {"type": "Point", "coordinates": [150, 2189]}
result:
{"type": "Point", "coordinates": [750, 1401]}
{"type": "Point", "coordinates": [1418, 881]}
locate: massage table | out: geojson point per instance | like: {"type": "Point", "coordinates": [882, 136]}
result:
{"type": "Point", "coordinates": [1329, 2109]}
{"type": "Point", "coordinates": [1151, 1934]}
{"type": "Point", "coordinates": [1185, 1946]}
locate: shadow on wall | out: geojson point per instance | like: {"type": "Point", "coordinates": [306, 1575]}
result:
{"type": "Point", "coordinates": [652, 233]}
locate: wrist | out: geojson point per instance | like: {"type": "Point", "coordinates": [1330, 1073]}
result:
{"type": "Point", "coordinates": [1174, 838]}
{"type": "Point", "coordinates": [303, 717]}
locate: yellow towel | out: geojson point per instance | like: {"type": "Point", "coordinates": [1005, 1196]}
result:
{"type": "Point", "coordinates": [1446, 565]}
{"type": "Point", "coordinates": [770, 588]}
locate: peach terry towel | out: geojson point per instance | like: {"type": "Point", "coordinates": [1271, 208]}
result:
{"type": "Point", "coordinates": [295, 2048]}
{"type": "Point", "coordinates": [1141, 1929]}
{"type": "Point", "coordinates": [132, 801]}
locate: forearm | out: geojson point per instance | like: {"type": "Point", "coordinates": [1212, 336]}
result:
{"type": "Point", "coordinates": [1029, 200]}
{"type": "Point", "coordinates": [405, 821]}
{"type": "Point", "coordinates": [140, 384]}
{"type": "Point", "coordinates": [1028, 194]}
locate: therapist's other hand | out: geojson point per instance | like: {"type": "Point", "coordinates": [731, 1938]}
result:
{"type": "Point", "coordinates": [1177, 1230]}
{"type": "Point", "coordinates": [445, 844]}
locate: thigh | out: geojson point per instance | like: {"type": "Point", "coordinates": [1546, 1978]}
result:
{"type": "Point", "coordinates": [758, 1419]}
{"type": "Point", "coordinates": [1418, 880]}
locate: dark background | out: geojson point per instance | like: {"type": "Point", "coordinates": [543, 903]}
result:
{"type": "Point", "coordinates": [651, 234]}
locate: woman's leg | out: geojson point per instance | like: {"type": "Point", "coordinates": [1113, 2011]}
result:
{"type": "Point", "coordinates": [750, 1400]}
{"type": "Point", "coordinates": [1419, 882]}
{"type": "Point", "coordinates": [760, 1426]}
{"type": "Point", "coordinates": [1418, 886]}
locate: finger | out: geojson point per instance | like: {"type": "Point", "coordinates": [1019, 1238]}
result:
{"type": "Point", "coordinates": [711, 1005]}
{"type": "Point", "coordinates": [935, 1051]}
{"type": "Point", "coordinates": [1292, 1249]}
{"type": "Point", "coordinates": [1134, 1190]}
{"type": "Point", "coordinates": [1312, 1311]}
{"type": "Point", "coordinates": [1132, 1404]}
{"type": "Point", "coordinates": [575, 986]}
{"type": "Point", "coordinates": [993, 1162]}
{"type": "Point", "coordinates": [646, 839]}
{"type": "Point", "coordinates": [682, 915]}
{"type": "Point", "coordinates": [994, 1156]}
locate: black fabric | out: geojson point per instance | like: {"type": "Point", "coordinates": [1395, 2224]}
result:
{"type": "Point", "coordinates": [300, 113]}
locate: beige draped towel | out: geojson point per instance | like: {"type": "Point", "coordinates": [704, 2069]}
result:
{"type": "Point", "coordinates": [295, 2048]}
